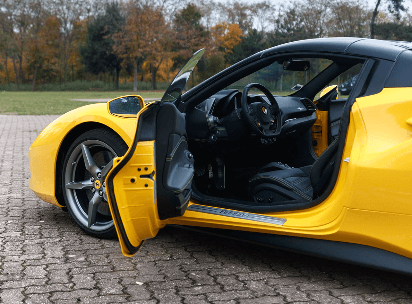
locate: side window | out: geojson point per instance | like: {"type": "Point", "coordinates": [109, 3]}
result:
{"type": "Point", "coordinates": [127, 105]}
{"type": "Point", "coordinates": [346, 81]}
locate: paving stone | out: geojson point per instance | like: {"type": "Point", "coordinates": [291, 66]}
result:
{"type": "Point", "coordinates": [260, 288]}
{"type": "Point", "coordinates": [230, 282]}
{"type": "Point", "coordinates": [168, 284]}
{"type": "Point", "coordinates": [38, 299]}
{"type": "Point", "coordinates": [75, 294]}
{"type": "Point", "coordinates": [110, 286]}
{"type": "Point", "coordinates": [47, 288]}
{"type": "Point", "coordinates": [105, 299]}
{"type": "Point", "coordinates": [83, 281]}
{"type": "Point", "coordinates": [21, 283]}
{"type": "Point", "coordinates": [57, 276]}
{"type": "Point", "coordinates": [263, 300]}
{"type": "Point", "coordinates": [286, 281]}
{"type": "Point", "coordinates": [353, 299]}
{"type": "Point", "coordinates": [326, 285]}
{"type": "Point", "coordinates": [352, 290]}
{"type": "Point", "coordinates": [201, 277]}
{"type": "Point", "coordinates": [229, 295]}
{"type": "Point", "coordinates": [257, 275]}
{"type": "Point", "coordinates": [12, 267]}
{"type": "Point", "coordinates": [11, 296]}
{"type": "Point", "coordinates": [143, 279]}
{"type": "Point", "coordinates": [138, 292]}
{"type": "Point", "coordinates": [323, 297]}
{"type": "Point", "coordinates": [35, 271]}
{"type": "Point", "coordinates": [199, 290]}
{"type": "Point", "coordinates": [387, 296]}
{"type": "Point", "coordinates": [292, 294]}
{"type": "Point", "coordinates": [200, 299]}
{"type": "Point", "coordinates": [167, 296]}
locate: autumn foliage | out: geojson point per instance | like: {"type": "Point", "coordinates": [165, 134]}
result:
{"type": "Point", "coordinates": [48, 41]}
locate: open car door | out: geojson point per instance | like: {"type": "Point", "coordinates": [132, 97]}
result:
{"type": "Point", "coordinates": [152, 181]}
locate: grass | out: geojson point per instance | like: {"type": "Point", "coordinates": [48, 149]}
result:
{"type": "Point", "coordinates": [56, 103]}
{"type": "Point", "coordinates": [79, 85]}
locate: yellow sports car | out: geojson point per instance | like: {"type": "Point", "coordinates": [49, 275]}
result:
{"type": "Point", "coordinates": [238, 156]}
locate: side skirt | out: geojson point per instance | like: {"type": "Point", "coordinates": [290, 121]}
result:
{"type": "Point", "coordinates": [339, 251]}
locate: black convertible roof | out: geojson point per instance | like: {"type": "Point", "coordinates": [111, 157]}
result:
{"type": "Point", "coordinates": [363, 47]}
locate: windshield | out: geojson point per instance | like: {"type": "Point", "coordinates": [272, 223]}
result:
{"type": "Point", "coordinates": [283, 82]}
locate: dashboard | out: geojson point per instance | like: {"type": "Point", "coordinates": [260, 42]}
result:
{"type": "Point", "coordinates": [220, 116]}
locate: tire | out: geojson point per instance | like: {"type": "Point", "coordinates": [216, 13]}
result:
{"type": "Point", "coordinates": [83, 184]}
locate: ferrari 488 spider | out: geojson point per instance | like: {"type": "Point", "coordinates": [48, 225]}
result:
{"type": "Point", "coordinates": [237, 156]}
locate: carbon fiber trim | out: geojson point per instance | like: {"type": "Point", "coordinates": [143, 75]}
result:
{"type": "Point", "coordinates": [238, 214]}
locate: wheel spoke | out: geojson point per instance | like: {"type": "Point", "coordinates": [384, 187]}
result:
{"type": "Point", "coordinates": [106, 169]}
{"type": "Point", "coordinates": [88, 161]}
{"type": "Point", "coordinates": [93, 206]}
{"type": "Point", "coordinates": [87, 184]}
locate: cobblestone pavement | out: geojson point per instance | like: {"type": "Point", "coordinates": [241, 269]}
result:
{"type": "Point", "coordinates": [45, 258]}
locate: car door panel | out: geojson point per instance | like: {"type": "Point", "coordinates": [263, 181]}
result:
{"type": "Point", "coordinates": [153, 178]}
{"type": "Point", "coordinates": [130, 194]}
{"type": "Point", "coordinates": [175, 162]}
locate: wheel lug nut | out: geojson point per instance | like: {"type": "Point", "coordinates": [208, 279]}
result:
{"type": "Point", "coordinates": [99, 175]}
{"type": "Point", "coordinates": [92, 179]}
{"type": "Point", "coordinates": [101, 193]}
{"type": "Point", "coordinates": [104, 184]}
{"type": "Point", "coordinates": [93, 190]}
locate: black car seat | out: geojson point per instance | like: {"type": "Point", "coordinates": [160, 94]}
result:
{"type": "Point", "coordinates": [277, 182]}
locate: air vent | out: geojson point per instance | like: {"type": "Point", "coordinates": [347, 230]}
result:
{"type": "Point", "coordinates": [310, 106]}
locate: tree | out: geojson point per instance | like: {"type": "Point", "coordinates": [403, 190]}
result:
{"type": "Point", "coordinates": [263, 12]}
{"type": "Point", "coordinates": [146, 37]}
{"type": "Point", "coordinates": [393, 31]}
{"type": "Point", "coordinates": [289, 26]}
{"type": "Point", "coordinates": [15, 26]}
{"type": "Point", "coordinates": [226, 36]}
{"type": "Point", "coordinates": [190, 33]}
{"type": "Point", "coordinates": [348, 19]}
{"type": "Point", "coordinates": [97, 52]}
{"type": "Point", "coordinates": [238, 13]}
{"type": "Point", "coordinates": [250, 44]}
{"type": "Point", "coordinates": [35, 49]}
{"type": "Point", "coordinates": [75, 59]}
{"type": "Point", "coordinates": [394, 6]}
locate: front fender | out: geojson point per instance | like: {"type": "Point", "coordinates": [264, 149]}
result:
{"type": "Point", "coordinates": [44, 150]}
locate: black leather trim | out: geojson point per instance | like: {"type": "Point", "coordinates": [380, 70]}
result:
{"type": "Point", "coordinates": [283, 178]}
{"type": "Point", "coordinates": [173, 192]}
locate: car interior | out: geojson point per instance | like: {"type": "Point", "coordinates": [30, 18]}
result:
{"type": "Point", "coordinates": [260, 147]}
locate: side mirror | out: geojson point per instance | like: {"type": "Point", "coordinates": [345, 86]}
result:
{"type": "Point", "coordinates": [296, 65]}
{"type": "Point", "coordinates": [328, 89]}
{"type": "Point", "coordinates": [127, 106]}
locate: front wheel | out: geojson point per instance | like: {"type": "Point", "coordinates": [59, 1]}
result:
{"type": "Point", "coordinates": [85, 167]}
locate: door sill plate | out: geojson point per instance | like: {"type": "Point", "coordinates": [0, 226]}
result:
{"type": "Point", "coordinates": [238, 214]}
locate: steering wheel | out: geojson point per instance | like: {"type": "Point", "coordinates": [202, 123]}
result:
{"type": "Point", "coordinates": [263, 118]}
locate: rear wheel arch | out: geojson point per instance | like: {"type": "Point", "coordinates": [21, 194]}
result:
{"type": "Point", "coordinates": [67, 141]}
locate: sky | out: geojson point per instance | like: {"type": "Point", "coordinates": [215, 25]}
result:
{"type": "Point", "coordinates": [371, 3]}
